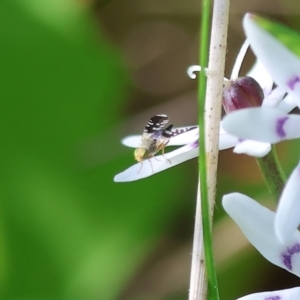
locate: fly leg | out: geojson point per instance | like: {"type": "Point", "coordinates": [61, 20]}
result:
{"type": "Point", "coordinates": [140, 167]}
{"type": "Point", "coordinates": [149, 159]}
{"type": "Point", "coordinates": [163, 152]}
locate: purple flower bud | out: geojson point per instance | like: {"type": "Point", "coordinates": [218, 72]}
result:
{"type": "Point", "coordinates": [243, 92]}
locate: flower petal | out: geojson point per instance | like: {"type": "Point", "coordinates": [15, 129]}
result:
{"type": "Point", "coordinates": [262, 76]}
{"type": "Point", "coordinates": [263, 124]}
{"type": "Point", "coordinates": [239, 60]}
{"type": "Point", "coordinates": [288, 212]}
{"type": "Point", "coordinates": [274, 98]}
{"type": "Point", "coordinates": [162, 162]}
{"type": "Point", "coordinates": [271, 43]}
{"type": "Point", "coordinates": [287, 104]}
{"type": "Point", "coordinates": [226, 140]}
{"type": "Point", "coordinates": [132, 141]}
{"type": "Point", "coordinates": [158, 163]}
{"type": "Point", "coordinates": [252, 148]}
{"type": "Point", "coordinates": [257, 224]}
{"type": "Point", "coordinates": [288, 294]}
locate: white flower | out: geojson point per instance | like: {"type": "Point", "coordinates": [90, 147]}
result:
{"type": "Point", "coordinates": [289, 294]}
{"type": "Point", "coordinates": [270, 123]}
{"type": "Point", "coordinates": [272, 97]}
{"type": "Point", "coordinates": [162, 162]}
{"type": "Point", "coordinates": [274, 235]}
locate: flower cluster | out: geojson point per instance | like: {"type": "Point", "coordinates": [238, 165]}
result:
{"type": "Point", "coordinates": [274, 235]}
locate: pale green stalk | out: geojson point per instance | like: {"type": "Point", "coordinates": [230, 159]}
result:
{"type": "Point", "coordinates": [209, 123]}
{"type": "Point", "coordinates": [272, 173]}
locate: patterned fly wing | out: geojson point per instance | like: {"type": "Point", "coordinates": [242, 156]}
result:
{"type": "Point", "coordinates": [156, 137]}
{"type": "Point", "coordinates": [167, 132]}
{"type": "Point", "coordinates": [178, 131]}
{"type": "Point", "coordinates": [156, 123]}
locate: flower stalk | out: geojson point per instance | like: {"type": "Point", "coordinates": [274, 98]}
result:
{"type": "Point", "coordinates": [272, 172]}
{"type": "Point", "coordinates": [209, 124]}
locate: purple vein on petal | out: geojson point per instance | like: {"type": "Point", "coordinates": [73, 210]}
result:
{"type": "Point", "coordinates": [194, 144]}
{"type": "Point", "coordinates": [273, 298]}
{"type": "Point", "coordinates": [287, 255]}
{"type": "Point", "coordinates": [292, 82]}
{"type": "Point", "coordinates": [279, 127]}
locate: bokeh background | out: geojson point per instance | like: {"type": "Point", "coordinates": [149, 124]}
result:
{"type": "Point", "coordinates": [75, 77]}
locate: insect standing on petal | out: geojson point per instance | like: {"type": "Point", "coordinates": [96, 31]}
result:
{"type": "Point", "coordinates": [155, 138]}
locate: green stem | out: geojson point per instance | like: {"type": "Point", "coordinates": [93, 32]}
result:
{"type": "Point", "coordinates": [205, 207]}
{"type": "Point", "coordinates": [272, 172]}
{"type": "Point", "coordinates": [199, 274]}
{"type": "Point", "coordinates": [204, 42]}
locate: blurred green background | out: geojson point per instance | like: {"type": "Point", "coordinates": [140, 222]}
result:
{"type": "Point", "coordinates": [77, 76]}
